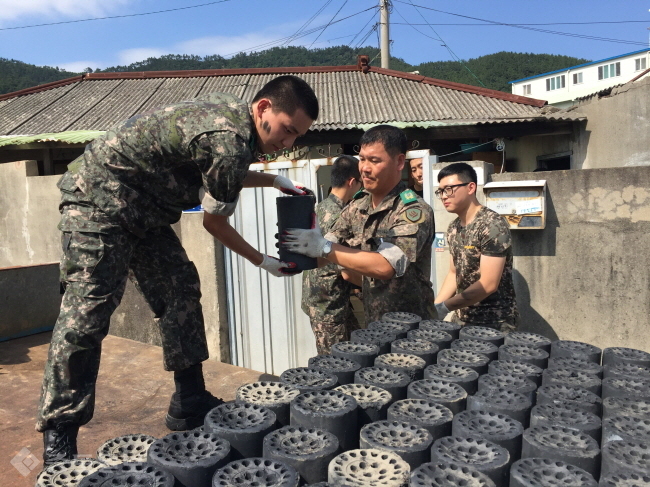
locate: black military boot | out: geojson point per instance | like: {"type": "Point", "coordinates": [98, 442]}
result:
{"type": "Point", "coordinates": [191, 402]}
{"type": "Point", "coordinates": [60, 443]}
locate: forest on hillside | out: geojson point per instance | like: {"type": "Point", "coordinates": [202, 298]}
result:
{"type": "Point", "coordinates": [492, 71]}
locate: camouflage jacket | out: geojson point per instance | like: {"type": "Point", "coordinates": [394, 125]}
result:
{"type": "Point", "coordinates": [143, 172]}
{"type": "Point", "coordinates": [488, 234]}
{"type": "Point", "coordinates": [325, 294]}
{"type": "Point", "coordinates": [405, 221]}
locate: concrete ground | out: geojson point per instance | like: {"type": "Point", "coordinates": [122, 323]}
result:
{"type": "Point", "coordinates": [133, 392]}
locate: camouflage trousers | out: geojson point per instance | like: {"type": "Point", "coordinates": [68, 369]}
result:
{"type": "Point", "coordinates": [506, 326]}
{"type": "Point", "coordinates": [94, 269]}
{"type": "Point", "coordinates": [327, 334]}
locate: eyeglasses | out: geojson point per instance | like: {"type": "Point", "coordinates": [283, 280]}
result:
{"type": "Point", "coordinates": [448, 190]}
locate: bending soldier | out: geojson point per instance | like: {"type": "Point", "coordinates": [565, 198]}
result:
{"type": "Point", "coordinates": [118, 201]}
{"type": "Point", "coordinates": [325, 293]}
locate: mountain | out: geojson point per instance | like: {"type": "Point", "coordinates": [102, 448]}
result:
{"type": "Point", "coordinates": [494, 70]}
{"type": "Point", "coordinates": [16, 75]}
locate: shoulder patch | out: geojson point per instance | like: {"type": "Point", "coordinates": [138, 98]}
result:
{"type": "Point", "coordinates": [413, 215]}
{"type": "Point", "coordinates": [408, 196]}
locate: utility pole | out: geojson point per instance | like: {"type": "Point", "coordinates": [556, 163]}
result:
{"type": "Point", "coordinates": [385, 40]}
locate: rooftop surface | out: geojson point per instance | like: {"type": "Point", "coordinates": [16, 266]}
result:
{"type": "Point", "coordinates": [349, 96]}
{"type": "Point", "coordinates": [133, 393]}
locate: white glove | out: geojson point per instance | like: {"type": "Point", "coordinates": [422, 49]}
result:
{"type": "Point", "coordinates": [276, 267]}
{"type": "Point", "coordinates": [287, 186]}
{"type": "Point", "coordinates": [442, 310]}
{"type": "Point", "coordinates": [306, 242]}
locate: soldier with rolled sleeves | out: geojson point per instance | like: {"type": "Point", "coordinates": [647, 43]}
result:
{"type": "Point", "coordinates": [325, 293]}
{"type": "Point", "coordinates": [118, 201]}
{"type": "Point", "coordinates": [387, 231]}
{"type": "Point", "coordinates": [479, 284]}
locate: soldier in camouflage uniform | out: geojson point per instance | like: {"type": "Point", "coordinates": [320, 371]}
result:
{"type": "Point", "coordinates": [479, 284]}
{"type": "Point", "coordinates": [118, 201]}
{"type": "Point", "coordinates": [325, 294]}
{"type": "Point", "coordinates": [388, 228]}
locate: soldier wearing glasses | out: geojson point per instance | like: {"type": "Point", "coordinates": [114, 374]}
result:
{"type": "Point", "coordinates": [479, 284]}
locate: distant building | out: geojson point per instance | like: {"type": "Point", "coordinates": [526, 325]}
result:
{"type": "Point", "coordinates": [561, 88]}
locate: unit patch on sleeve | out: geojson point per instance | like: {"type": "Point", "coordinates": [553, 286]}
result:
{"type": "Point", "coordinates": [413, 215]}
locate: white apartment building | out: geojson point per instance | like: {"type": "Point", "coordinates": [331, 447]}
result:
{"type": "Point", "coordinates": [562, 87]}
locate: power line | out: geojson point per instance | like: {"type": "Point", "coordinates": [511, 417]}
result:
{"type": "Point", "coordinates": [303, 34]}
{"type": "Point", "coordinates": [362, 29]}
{"type": "Point", "coordinates": [546, 23]}
{"type": "Point", "coordinates": [444, 44]}
{"type": "Point", "coordinates": [306, 24]}
{"type": "Point", "coordinates": [117, 16]}
{"type": "Point", "coordinates": [328, 24]}
{"type": "Point", "coordinates": [518, 26]}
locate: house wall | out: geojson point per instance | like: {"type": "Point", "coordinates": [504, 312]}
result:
{"type": "Point", "coordinates": [617, 131]}
{"type": "Point", "coordinates": [590, 82]}
{"type": "Point", "coordinates": [586, 276]}
{"type": "Point", "coordinates": [29, 238]}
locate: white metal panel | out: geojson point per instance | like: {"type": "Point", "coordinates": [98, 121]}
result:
{"type": "Point", "coordinates": [268, 330]}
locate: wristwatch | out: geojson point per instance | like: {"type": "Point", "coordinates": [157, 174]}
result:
{"type": "Point", "coordinates": [327, 248]}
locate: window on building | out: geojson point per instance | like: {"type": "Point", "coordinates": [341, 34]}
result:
{"type": "Point", "coordinates": [560, 161]}
{"type": "Point", "coordinates": [609, 71]}
{"type": "Point", "coordinates": [555, 83]}
{"type": "Point", "coordinates": [527, 88]}
{"type": "Point", "coordinates": [577, 78]}
{"type": "Point", "coordinates": [640, 64]}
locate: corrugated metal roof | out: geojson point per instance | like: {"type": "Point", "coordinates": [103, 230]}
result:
{"type": "Point", "coordinates": [349, 98]}
{"type": "Point", "coordinates": [74, 137]}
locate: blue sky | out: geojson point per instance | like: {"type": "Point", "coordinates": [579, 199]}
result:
{"type": "Point", "coordinates": [236, 25]}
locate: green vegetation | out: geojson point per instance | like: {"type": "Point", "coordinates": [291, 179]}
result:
{"type": "Point", "coordinates": [494, 70]}
{"type": "Point", "coordinates": [16, 75]}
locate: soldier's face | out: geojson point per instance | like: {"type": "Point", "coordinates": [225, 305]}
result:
{"type": "Point", "coordinates": [461, 197]}
{"type": "Point", "coordinates": [416, 170]}
{"type": "Point", "coordinates": [380, 171]}
{"type": "Point", "coordinates": [278, 130]}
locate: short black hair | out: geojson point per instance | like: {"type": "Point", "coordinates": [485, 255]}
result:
{"type": "Point", "coordinates": [464, 171]}
{"type": "Point", "coordinates": [288, 93]}
{"type": "Point", "coordinates": [344, 168]}
{"type": "Point", "coordinates": [393, 139]}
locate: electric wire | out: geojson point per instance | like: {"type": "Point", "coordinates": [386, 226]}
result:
{"type": "Point", "coordinates": [116, 16]}
{"type": "Point", "coordinates": [306, 24]}
{"type": "Point", "coordinates": [328, 24]}
{"type": "Point", "coordinates": [444, 44]}
{"type": "Point", "coordinates": [362, 29]}
{"type": "Point", "coordinates": [546, 23]}
{"type": "Point", "coordinates": [519, 26]}
{"type": "Point", "coordinates": [303, 34]}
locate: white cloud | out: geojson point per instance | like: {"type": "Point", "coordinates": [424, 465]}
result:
{"type": "Point", "coordinates": [206, 46]}
{"type": "Point", "coordinates": [69, 9]}
{"type": "Point", "coordinates": [128, 56]}
{"type": "Point", "coordinates": [79, 66]}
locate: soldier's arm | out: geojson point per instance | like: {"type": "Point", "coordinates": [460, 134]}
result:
{"type": "Point", "coordinates": [219, 228]}
{"type": "Point", "coordinates": [448, 288]}
{"type": "Point", "coordinates": [258, 179]}
{"type": "Point", "coordinates": [494, 243]}
{"type": "Point", "coordinates": [223, 159]}
{"type": "Point", "coordinates": [371, 264]}
{"type": "Point", "coordinates": [352, 276]}
{"type": "Point", "coordinates": [491, 269]}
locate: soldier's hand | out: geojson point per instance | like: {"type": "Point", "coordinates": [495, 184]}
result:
{"type": "Point", "coordinates": [305, 242]}
{"type": "Point", "coordinates": [441, 310]}
{"type": "Point", "coordinates": [287, 186]}
{"type": "Point", "coordinates": [277, 268]}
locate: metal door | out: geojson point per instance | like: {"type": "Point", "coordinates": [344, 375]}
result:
{"type": "Point", "coordinates": [268, 330]}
